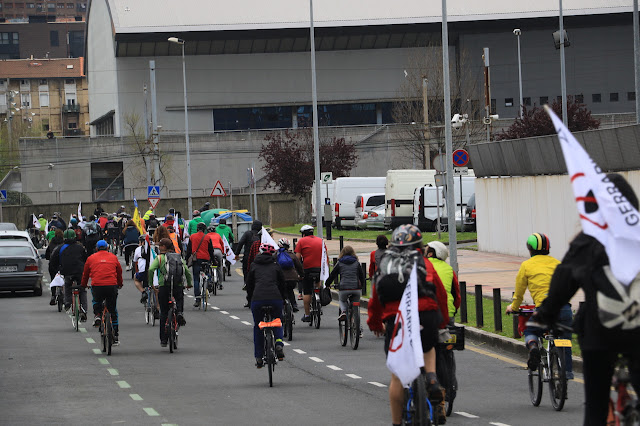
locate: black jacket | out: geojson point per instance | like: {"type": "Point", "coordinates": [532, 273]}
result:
{"type": "Point", "coordinates": [71, 261]}
{"type": "Point", "coordinates": [246, 241]}
{"type": "Point", "coordinates": [351, 274]}
{"type": "Point", "coordinates": [265, 280]}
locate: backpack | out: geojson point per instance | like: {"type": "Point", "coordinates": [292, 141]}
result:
{"type": "Point", "coordinates": [111, 225]}
{"type": "Point", "coordinates": [618, 306]}
{"type": "Point", "coordinates": [284, 260]}
{"type": "Point", "coordinates": [91, 228]}
{"type": "Point", "coordinates": [174, 269]}
{"type": "Point", "coordinates": [393, 273]}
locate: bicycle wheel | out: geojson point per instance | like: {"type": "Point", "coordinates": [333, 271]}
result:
{"type": "Point", "coordinates": [171, 330]}
{"type": "Point", "coordinates": [103, 334]}
{"type": "Point", "coordinates": [59, 298]}
{"type": "Point", "coordinates": [76, 312]}
{"type": "Point", "coordinates": [175, 330]}
{"type": "Point", "coordinates": [205, 292]}
{"type": "Point", "coordinates": [109, 334]}
{"type": "Point", "coordinates": [344, 331]}
{"type": "Point", "coordinates": [271, 359]}
{"type": "Point", "coordinates": [155, 315]}
{"type": "Point", "coordinates": [147, 310]}
{"type": "Point", "coordinates": [557, 379]}
{"type": "Point", "coordinates": [215, 278]}
{"type": "Point", "coordinates": [354, 327]}
{"type": "Point", "coordinates": [452, 389]}
{"type": "Point", "coordinates": [289, 320]}
{"type": "Point", "coordinates": [418, 408]}
{"type": "Point", "coordinates": [630, 416]}
{"type": "Point", "coordinates": [535, 385]}
{"type": "Point", "coordinates": [317, 312]}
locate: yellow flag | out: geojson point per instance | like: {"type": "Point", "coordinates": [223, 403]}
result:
{"type": "Point", "coordinates": [137, 221]}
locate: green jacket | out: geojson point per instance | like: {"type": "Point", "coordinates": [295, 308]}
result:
{"type": "Point", "coordinates": [160, 264]}
{"type": "Point", "coordinates": [225, 231]}
{"type": "Point", "coordinates": [193, 225]}
{"type": "Point", "coordinates": [50, 235]}
{"type": "Point", "coordinates": [43, 223]}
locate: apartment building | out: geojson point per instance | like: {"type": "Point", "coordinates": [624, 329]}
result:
{"type": "Point", "coordinates": [17, 10]}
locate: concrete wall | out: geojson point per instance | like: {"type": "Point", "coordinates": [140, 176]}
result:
{"type": "Point", "coordinates": [509, 209]}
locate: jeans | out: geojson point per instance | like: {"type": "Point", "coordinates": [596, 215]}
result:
{"type": "Point", "coordinates": [219, 257]}
{"type": "Point", "coordinates": [108, 293]}
{"type": "Point", "coordinates": [565, 317]}
{"type": "Point", "coordinates": [196, 276]}
{"type": "Point", "coordinates": [258, 338]}
{"type": "Point", "coordinates": [163, 301]}
{"type": "Point", "coordinates": [342, 297]}
{"type": "Point", "coordinates": [68, 292]}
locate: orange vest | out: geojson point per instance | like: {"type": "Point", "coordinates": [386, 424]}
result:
{"type": "Point", "coordinates": [174, 238]}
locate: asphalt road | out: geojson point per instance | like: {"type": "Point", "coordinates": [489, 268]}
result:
{"type": "Point", "coordinates": [50, 374]}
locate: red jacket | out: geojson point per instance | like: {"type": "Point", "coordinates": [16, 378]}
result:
{"type": "Point", "coordinates": [378, 313]}
{"type": "Point", "coordinates": [103, 268]}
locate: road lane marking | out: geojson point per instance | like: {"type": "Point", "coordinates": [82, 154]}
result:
{"type": "Point", "coordinates": [299, 351]}
{"type": "Point", "coordinates": [97, 351]}
{"type": "Point", "coordinates": [233, 316]}
{"type": "Point", "coordinates": [83, 330]}
{"type": "Point", "coordinates": [353, 376]}
{"type": "Point", "coordinates": [498, 424]}
{"type": "Point", "coordinates": [467, 415]}
{"type": "Point", "coordinates": [380, 385]}
{"type": "Point", "coordinates": [224, 312]}
{"type": "Point", "coordinates": [215, 307]}
{"type": "Point", "coordinates": [135, 397]}
{"type": "Point", "coordinates": [113, 371]}
{"type": "Point", "coordinates": [334, 367]}
{"type": "Point", "coordinates": [151, 412]}
{"type": "Point", "coordinates": [246, 323]}
{"type": "Point", "coordinates": [190, 295]}
{"type": "Point", "coordinates": [285, 343]}
{"type": "Point", "coordinates": [90, 340]}
{"type": "Point", "coordinates": [123, 384]}
{"type": "Point", "coordinates": [103, 361]}
{"type": "Point", "coordinates": [313, 358]}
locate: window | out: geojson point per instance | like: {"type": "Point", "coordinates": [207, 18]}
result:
{"type": "Point", "coordinates": [526, 101]}
{"type": "Point", "coordinates": [45, 124]}
{"type": "Point", "coordinates": [3, 83]}
{"type": "Point", "coordinates": [72, 125]}
{"type": "Point", "coordinates": [8, 5]}
{"type": "Point", "coordinates": [25, 85]}
{"type": "Point", "coordinates": [43, 82]}
{"type": "Point", "coordinates": [613, 97]}
{"type": "Point", "coordinates": [596, 98]}
{"type": "Point", "coordinates": [25, 99]}
{"type": "Point", "coordinates": [107, 181]}
{"type": "Point", "coordinates": [44, 99]}
{"type": "Point", "coordinates": [53, 38]}
{"type": "Point", "coordinates": [51, 5]}
{"type": "Point", "coordinates": [387, 112]}
{"type": "Point", "coordinates": [631, 96]}
{"type": "Point", "coordinates": [544, 100]}
{"type": "Point", "coordinates": [60, 5]}
{"type": "Point", "coordinates": [71, 6]}
{"type": "Point", "coordinates": [508, 102]}
{"type": "Point", "coordinates": [31, 5]}
{"type": "Point", "coordinates": [559, 99]}
{"type": "Point", "coordinates": [20, 5]}
{"type": "Point", "coordinates": [493, 106]}
{"type": "Point", "coordinates": [252, 118]}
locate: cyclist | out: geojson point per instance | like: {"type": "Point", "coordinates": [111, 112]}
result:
{"type": "Point", "coordinates": [111, 230]}
{"type": "Point", "coordinates": [55, 242]}
{"type": "Point", "coordinates": [99, 210]}
{"type": "Point", "coordinates": [350, 281]}
{"type": "Point", "coordinates": [218, 248]}
{"type": "Point", "coordinates": [43, 224]}
{"type": "Point", "coordinates": [160, 263]}
{"type": "Point", "coordinates": [535, 274]}
{"type": "Point", "coordinates": [102, 221]}
{"type": "Point", "coordinates": [374, 259]}
{"type": "Point", "coordinates": [91, 235]}
{"type": "Point", "coordinates": [105, 272]}
{"type": "Point", "coordinates": [175, 239]}
{"type": "Point", "coordinates": [192, 227]}
{"type": "Point", "coordinates": [201, 245]}
{"type": "Point", "coordinates": [206, 207]}
{"type": "Point", "coordinates": [265, 286]}
{"type": "Point", "coordinates": [246, 241]}
{"type": "Point", "coordinates": [73, 224]}
{"type": "Point", "coordinates": [433, 316]}
{"type": "Point", "coordinates": [130, 236]}
{"type": "Point", "coordinates": [309, 252]}
{"type": "Point", "coordinates": [437, 253]}
{"type": "Point", "coordinates": [292, 274]}
{"type": "Point", "coordinates": [140, 264]}
{"type": "Point", "coordinates": [152, 224]}
{"type": "Point", "coordinates": [584, 266]}
{"type": "Point", "coordinates": [227, 232]}
{"type": "Point", "coordinates": [69, 259]}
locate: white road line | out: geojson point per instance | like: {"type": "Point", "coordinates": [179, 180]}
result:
{"type": "Point", "coordinates": [233, 316]}
{"type": "Point", "coordinates": [83, 330]}
{"type": "Point", "coordinates": [135, 397]}
{"type": "Point", "coordinates": [224, 312]}
{"type": "Point", "coordinates": [299, 351]}
{"type": "Point", "coordinates": [467, 415]}
{"type": "Point", "coordinates": [103, 361]}
{"type": "Point", "coordinates": [380, 385]}
{"type": "Point", "coordinates": [189, 295]}
{"type": "Point", "coordinates": [123, 384]}
{"type": "Point", "coordinates": [498, 424]}
{"type": "Point", "coordinates": [353, 376]}
{"type": "Point", "coordinates": [246, 323]}
{"type": "Point", "coordinates": [285, 343]}
{"type": "Point", "coordinates": [334, 367]}
{"type": "Point", "coordinates": [313, 358]}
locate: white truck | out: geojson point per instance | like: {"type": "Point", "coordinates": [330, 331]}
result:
{"type": "Point", "coordinates": [399, 194]}
{"type": "Point", "coordinates": [425, 202]}
{"type": "Point", "coordinates": [345, 190]}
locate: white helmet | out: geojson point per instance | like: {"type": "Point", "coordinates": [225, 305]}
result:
{"type": "Point", "coordinates": [442, 252]}
{"type": "Point", "coordinates": [306, 228]}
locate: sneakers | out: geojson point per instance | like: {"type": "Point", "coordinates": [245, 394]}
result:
{"type": "Point", "coordinates": [342, 316]}
{"type": "Point", "coordinates": [569, 375]}
{"type": "Point", "coordinates": [220, 287]}
{"type": "Point", "coordinates": [300, 296]}
{"type": "Point", "coordinates": [52, 302]}
{"type": "Point", "coordinates": [295, 308]}
{"type": "Point", "coordinates": [436, 396]}
{"type": "Point", "coordinates": [196, 304]}
{"type": "Point", "coordinates": [128, 268]}
{"type": "Point", "coordinates": [143, 298]}
{"type": "Point", "coordinates": [96, 321]}
{"type": "Point", "coordinates": [156, 314]}
{"type": "Point", "coordinates": [280, 352]}
{"type": "Point", "coordinates": [163, 343]}
{"type": "Point", "coordinates": [306, 318]}
{"type": "Point", "coordinates": [83, 316]}
{"type": "Point", "coordinates": [67, 309]}
{"type": "Point", "coordinates": [534, 357]}
{"type": "Point", "coordinates": [181, 320]}
{"type": "Point", "coordinates": [210, 287]}
{"type": "Point", "coordinates": [244, 287]}
{"type": "Point", "coordinates": [246, 305]}
{"type": "Point", "coordinates": [259, 362]}
{"type": "Point", "coordinates": [116, 340]}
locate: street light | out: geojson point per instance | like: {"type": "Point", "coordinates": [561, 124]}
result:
{"type": "Point", "coordinates": [180, 41]}
{"type": "Point", "coordinates": [517, 33]}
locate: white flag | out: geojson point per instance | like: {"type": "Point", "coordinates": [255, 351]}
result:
{"type": "Point", "coordinates": [46, 228]}
{"type": "Point", "coordinates": [605, 214]}
{"type": "Point", "coordinates": [405, 349]}
{"type": "Point", "coordinates": [228, 253]}
{"type": "Point", "coordinates": [324, 265]}
{"type": "Point", "coordinates": [79, 211]}
{"type": "Point", "coordinates": [36, 223]}
{"type": "Point", "coordinates": [266, 239]}
{"type": "Point", "coordinates": [156, 283]}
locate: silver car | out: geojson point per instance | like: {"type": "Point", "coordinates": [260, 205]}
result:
{"type": "Point", "coordinates": [20, 267]}
{"type": "Point", "coordinates": [372, 218]}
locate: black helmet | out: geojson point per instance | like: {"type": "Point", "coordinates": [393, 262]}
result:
{"type": "Point", "coordinates": [407, 236]}
{"type": "Point", "coordinates": [201, 227]}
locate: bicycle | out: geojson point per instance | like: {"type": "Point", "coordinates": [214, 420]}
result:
{"type": "Point", "coordinates": [350, 328]}
{"type": "Point", "coordinates": [215, 278]}
{"type": "Point", "coordinates": [172, 326]}
{"type": "Point", "coordinates": [59, 297]}
{"type": "Point", "coordinates": [289, 320]}
{"type": "Point", "coordinates": [552, 366]}
{"type": "Point", "coordinates": [106, 329]}
{"type": "Point", "coordinates": [417, 409]}
{"type": "Point", "coordinates": [130, 264]}
{"type": "Point", "coordinates": [446, 365]}
{"type": "Point", "coordinates": [269, 352]}
{"type": "Point", "coordinates": [315, 311]}
{"type": "Point", "coordinates": [151, 306]}
{"type": "Point", "coordinates": [625, 410]}
{"type": "Point", "coordinates": [205, 283]}
{"type": "Point", "coordinates": [75, 305]}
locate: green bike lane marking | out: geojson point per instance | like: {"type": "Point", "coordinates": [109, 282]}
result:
{"type": "Point", "coordinates": [151, 412]}
{"type": "Point", "coordinates": [103, 361]}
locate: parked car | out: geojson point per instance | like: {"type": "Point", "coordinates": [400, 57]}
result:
{"type": "Point", "coordinates": [20, 267]}
{"type": "Point", "coordinates": [15, 235]}
{"type": "Point", "coordinates": [470, 214]}
{"type": "Point", "coordinates": [372, 219]}
{"type": "Point", "coordinates": [8, 226]}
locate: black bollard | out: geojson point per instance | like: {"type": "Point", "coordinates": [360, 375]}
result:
{"type": "Point", "coordinates": [479, 312]}
{"type": "Point", "coordinates": [328, 228]}
{"type": "Point", "coordinates": [295, 241]}
{"type": "Point", "coordinates": [341, 242]}
{"type": "Point", "coordinates": [463, 301]}
{"type": "Point", "coordinates": [363, 265]}
{"type": "Point", "coordinates": [516, 332]}
{"type": "Point", "coordinates": [497, 310]}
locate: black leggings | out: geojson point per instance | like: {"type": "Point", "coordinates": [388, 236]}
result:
{"type": "Point", "coordinates": [163, 300]}
{"type": "Point", "coordinates": [598, 369]}
{"type": "Point", "coordinates": [128, 250]}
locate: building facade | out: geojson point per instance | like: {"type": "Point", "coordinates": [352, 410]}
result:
{"type": "Point", "coordinates": [55, 39]}
{"type": "Point", "coordinates": [18, 10]}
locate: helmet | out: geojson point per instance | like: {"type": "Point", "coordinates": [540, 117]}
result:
{"type": "Point", "coordinates": [101, 245]}
{"type": "Point", "coordinates": [110, 217]}
{"type": "Point", "coordinates": [201, 227]}
{"type": "Point", "coordinates": [196, 213]}
{"type": "Point", "coordinates": [207, 204]}
{"type": "Point", "coordinates": [538, 242]}
{"type": "Point", "coordinates": [211, 228]}
{"type": "Point", "coordinates": [40, 215]}
{"type": "Point", "coordinates": [284, 243]}
{"type": "Point", "coordinates": [169, 217]}
{"type": "Point", "coordinates": [442, 252]}
{"type": "Point", "coordinates": [73, 221]}
{"type": "Point", "coordinates": [69, 234]}
{"type": "Point", "coordinates": [306, 229]}
{"type": "Point", "coordinates": [267, 248]}
{"type": "Point", "coordinates": [407, 236]}
{"type": "Point", "coordinates": [223, 221]}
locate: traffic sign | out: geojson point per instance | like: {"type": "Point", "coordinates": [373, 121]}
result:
{"type": "Point", "coordinates": [460, 157]}
{"type": "Point", "coordinates": [218, 190]}
{"type": "Point", "coordinates": [154, 202]}
{"type": "Point", "coordinates": [460, 171]}
{"type": "Point", "coordinates": [3, 195]}
{"type": "Point", "coordinates": [153, 191]}
{"type": "Point", "coordinates": [326, 177]}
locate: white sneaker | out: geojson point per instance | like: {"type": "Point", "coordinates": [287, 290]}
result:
{"type": "Point", "coordinates": [128, 268]}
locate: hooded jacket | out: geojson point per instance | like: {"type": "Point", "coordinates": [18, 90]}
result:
{"type": "Point", "coordinates": [71, 261]}
{"type": "Point", "coordinates": [193, 225]}
{"type": "Point", "coordinates": [350, 272]}
{"type": "Point", "coordinates": [225, 231]}
{"type": "Point", "coordinates": [265, 280]}
{"type": "Point", "coordinates": [291, 274]}
{"type": "Point", "coordinates": [248, 238]}
{"type": "Point", "coordinates": [103, 268]}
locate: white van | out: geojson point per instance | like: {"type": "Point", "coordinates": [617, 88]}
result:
{"type": "Point", "coordinates": [425, 202]}
{"type": "Point", "coordinates": [326, 191]}
{"type": "Point", "coordinates": [399, 191]}
{"type": "Point", "coordinates": [345, 190]}
{"type": "Point", "coordinates": [366, 202]}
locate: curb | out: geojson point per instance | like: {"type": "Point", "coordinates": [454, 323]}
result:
{"type": "Point", "coordinates": [495, 341]}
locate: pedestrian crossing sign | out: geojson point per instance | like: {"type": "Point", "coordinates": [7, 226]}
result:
{"type": "Point", "coordinates": [3, 195]}
{"type": "Point", "coordinates": [153, 191]}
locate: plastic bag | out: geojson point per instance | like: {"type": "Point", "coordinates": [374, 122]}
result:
{"type": "Point", "coordinates": [57, 281]}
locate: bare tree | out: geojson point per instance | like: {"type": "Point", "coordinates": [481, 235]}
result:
{"type": "Point", "coordinates": [9, 148]}
{"type": "Point", "coordinates": [422, 140]}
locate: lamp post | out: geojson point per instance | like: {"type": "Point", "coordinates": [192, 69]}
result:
{"type": "Point", "coordinates": [186, 125]}
{"type": "Point", "coordinates": [563, 75]}
{"type": "Point", "coordinates": [517, 33]}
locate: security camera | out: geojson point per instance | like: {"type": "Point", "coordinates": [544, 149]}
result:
{"type": "Point", "coordinates": [457, 121]}
{"type": "Point", "coordinates": [50, 165]}
{"type": "Point", "coordinates": [30, 119]}
{"type": "Point", "coordinates": [517, 32]}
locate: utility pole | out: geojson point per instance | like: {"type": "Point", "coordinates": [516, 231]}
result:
{"type": "Point", "coordinates": [146, 134]}
{"type": "Point", "coordinates": [563, 74]}
{"type": "Point", "coordinates": [427, 131]}
{"type": "Point", "coordinates": [636, 57]}
{"type": "Point", "coordinates": [154, 125]}
{"type": "Point", "coordinates": [316, 141]}
{"type": "Point", "coordinates": [487, 92]}
{"type": "Point", "coordinates": [255, 189]}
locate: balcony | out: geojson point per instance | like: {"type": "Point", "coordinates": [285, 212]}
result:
{"type": "Point", "coordinates": [69, 108]}
{"type": "Point", "coordinates": [73, 132]}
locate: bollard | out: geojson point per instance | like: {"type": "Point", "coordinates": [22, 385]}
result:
{"type": "Point", "coordinates": [479, 312]}
{"type": "Point", "coordinates": [463, 301]}
{"type": "Point", "coordinates": [335, 261]}
{"type": "Point", "coordinates": [341, 242]}
{"type": "Point", "coordinates": [516, 332]}
{"type": "Point", "coordinates": [363, 265]}
{"type": "Point", "coordinates": [295, 241]}
{"type": "Point", "coordinates": [497, 310]}
{"type": "Point", "coordinates": [328, 228]}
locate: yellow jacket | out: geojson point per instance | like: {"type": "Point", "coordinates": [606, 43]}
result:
{"type": "Point", "coordinates": [534, 274]}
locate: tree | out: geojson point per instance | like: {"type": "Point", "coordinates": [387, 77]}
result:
{"type": "Point", "coordinates": [144, 149]}
{"type": "Point", "coordinates": [288, 159]}
{"type": "Point", "coordinates": [536, 121]}
{"type": "Point", "coordinates": [9, 148]}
